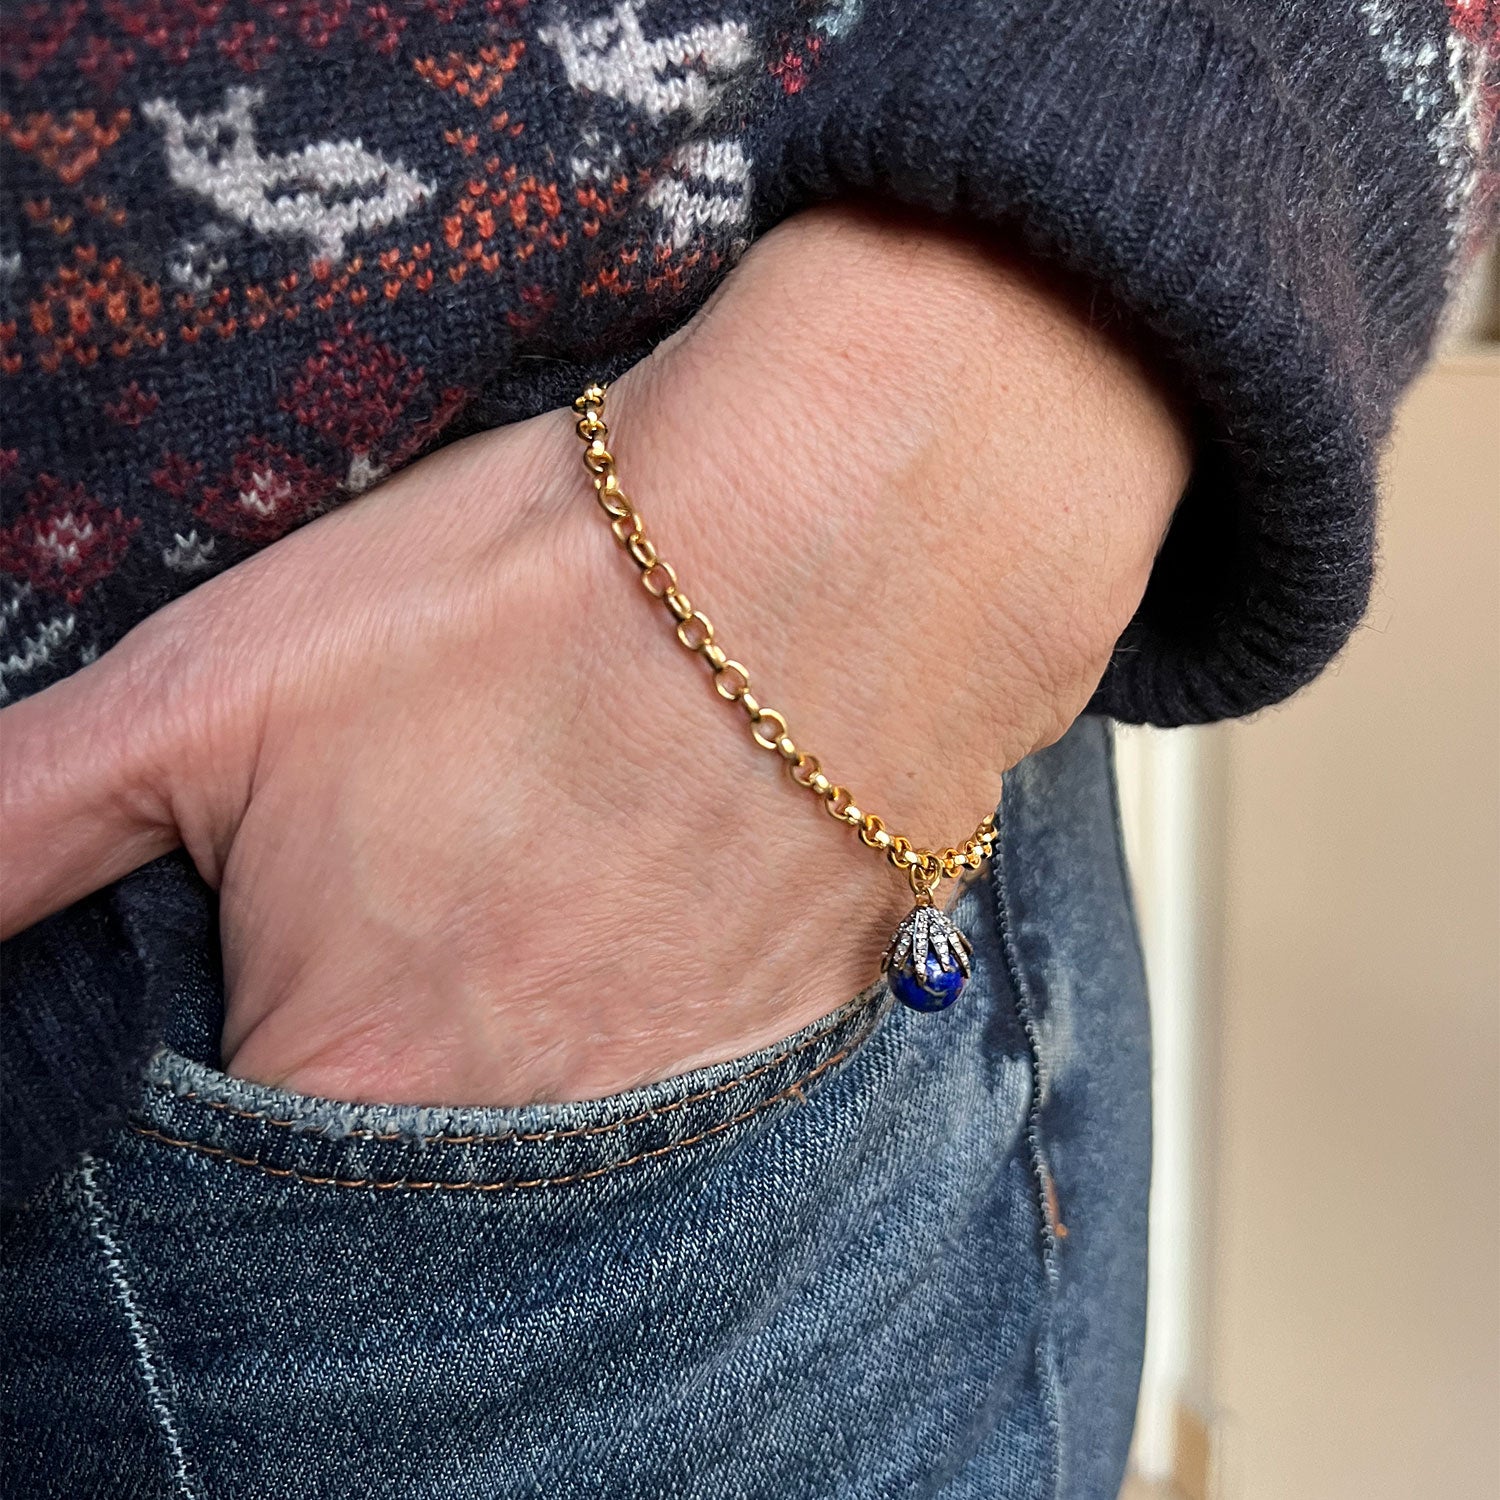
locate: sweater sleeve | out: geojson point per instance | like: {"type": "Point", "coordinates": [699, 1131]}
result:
{"type": "Point", "coordinates": [255, 261]}
{"type": "Point", "coordinates": [1273, 200]}
{"type": "Point", "coordinates": [89, 992]}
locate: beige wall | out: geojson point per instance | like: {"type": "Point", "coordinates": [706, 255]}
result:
{"type": "Point", "coordinates": [1356, 1348]}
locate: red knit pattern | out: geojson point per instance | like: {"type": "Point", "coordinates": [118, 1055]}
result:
{"type": "Point", "coordinates": [65, 540]}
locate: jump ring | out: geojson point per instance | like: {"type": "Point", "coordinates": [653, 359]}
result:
{"type": "Point", "coordinates": [636, 527]}
{"type": "Point", "coordinates": [738, 680]}
{"type": "Point", "coordinates": [767, 716]}
{"type": "Point", "coordinates": [705, 633]}
{"type": "Point", "coordinates": [666, 570]}
{"type": "Point", "coordinates": [836, 800]}
{"type": "Point", "coordinates": [804, 768]}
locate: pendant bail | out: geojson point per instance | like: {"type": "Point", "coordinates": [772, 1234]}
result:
{"type": "Point", "coordinates": [924, 877]}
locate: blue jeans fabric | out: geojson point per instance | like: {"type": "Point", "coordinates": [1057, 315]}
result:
{"type": "Point", "coordinates": [897, 1255]}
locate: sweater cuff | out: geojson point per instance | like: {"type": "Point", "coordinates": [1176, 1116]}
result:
{"type": "Point", "coordinates": [1266, 223]}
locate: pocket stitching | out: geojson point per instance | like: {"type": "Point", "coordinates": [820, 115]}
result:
{"type": "Point", "coordinates": [516, 1137]}
{"type": "Point", "coordinates": [792, 1090]}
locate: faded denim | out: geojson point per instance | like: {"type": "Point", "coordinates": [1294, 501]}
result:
{"type": "Point", "coordinates": [897, 1255]}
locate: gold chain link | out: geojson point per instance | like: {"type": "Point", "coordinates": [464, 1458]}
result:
{"type": "Point", "coordinates": [731, 680]}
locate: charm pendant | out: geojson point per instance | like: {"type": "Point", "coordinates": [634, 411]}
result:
{"type": "Point", "coordinates": [927, 962]}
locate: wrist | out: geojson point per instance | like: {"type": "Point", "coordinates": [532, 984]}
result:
{"type": "Point", "coordinates": [945, 460]}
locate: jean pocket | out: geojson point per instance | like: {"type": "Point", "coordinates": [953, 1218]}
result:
{"type": "Point", "coordinates": [187, 1106]}
{"type": "Point", "coordinates": [740, 1281]}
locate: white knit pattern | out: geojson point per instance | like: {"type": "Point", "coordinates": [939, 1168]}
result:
{"type": "Point", "coordinates": [661, 75]}
{"type": "Point", "coordinates": [34, 650]}
{"type": "Point", "coordinates": [841, 17]}
{"type": "Point", "coordinates": [1441, 81]}
{"type": "Point", "coordinates": [322, 192]}
{"type": "Point", "coordinates": [198, 263]}
{"type": "Point", "coordinates": [723, 203]}
{"type": "Point", "coordinates": [190, 553]}
{"type": "Point", "coordinates": [596, 161]}
{"type": "Point", "coordinates": [364, 473]}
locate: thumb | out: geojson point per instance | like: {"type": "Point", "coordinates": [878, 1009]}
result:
{"type": "Point", "coordinates": [83, 786]}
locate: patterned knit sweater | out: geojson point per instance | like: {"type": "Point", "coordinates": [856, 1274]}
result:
{"type": "Point", "coordinates": [257, 254]}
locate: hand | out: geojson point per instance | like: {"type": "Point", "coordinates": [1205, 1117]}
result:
{"type": "Point", "coordinates": [483, 833]}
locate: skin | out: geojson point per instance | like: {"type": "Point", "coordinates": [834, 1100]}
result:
{"type": "Point", "coordinates": [483, 833]}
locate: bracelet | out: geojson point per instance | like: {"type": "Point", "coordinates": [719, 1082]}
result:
{"type": "Point", "coordinates": [927, 959]}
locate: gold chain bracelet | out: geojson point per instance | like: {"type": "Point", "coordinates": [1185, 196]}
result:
{"type": "Point", "coordinates": [927, 960]}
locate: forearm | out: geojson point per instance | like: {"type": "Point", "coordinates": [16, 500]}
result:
{"type": "Point", "coordinates": [921, 483]}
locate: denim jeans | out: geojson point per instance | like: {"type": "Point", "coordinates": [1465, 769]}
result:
{"type": "Point", "coordinates": [896, 1255]}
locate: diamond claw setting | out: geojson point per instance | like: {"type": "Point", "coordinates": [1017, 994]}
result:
{"type": "Point", "coordinates": [927, 961]}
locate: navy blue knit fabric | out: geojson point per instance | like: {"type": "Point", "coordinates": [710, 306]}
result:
{"type": "Point", "coordinates": [254, 256]}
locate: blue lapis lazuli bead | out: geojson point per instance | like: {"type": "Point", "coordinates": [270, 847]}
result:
{"type": "Point", "coordinates": [936, 988]}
